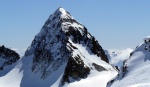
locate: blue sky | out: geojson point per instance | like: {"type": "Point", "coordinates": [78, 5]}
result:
{"type": "Point", "coordinates": [116, 24]}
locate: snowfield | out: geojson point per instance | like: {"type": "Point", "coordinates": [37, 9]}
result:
{"type": "Point", "coordinates": [95, 79]}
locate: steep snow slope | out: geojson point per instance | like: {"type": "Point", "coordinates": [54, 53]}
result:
{"type": "Point", "coordinates": [138, 68]}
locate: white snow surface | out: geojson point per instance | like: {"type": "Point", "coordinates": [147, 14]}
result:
{"type": "Point", "coordinates": [138, 69]}
{"type": "Point", "coordinates": [95, 79]}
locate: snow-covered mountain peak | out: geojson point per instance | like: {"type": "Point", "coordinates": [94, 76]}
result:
{"type": "Point", "coordinates": [65, 48]}
{"type": "Point", "coordinates": [62, 11]}
{"type": "Point", "coordinates": [60, 14]}
{"type": "Point", "coordinates": [62, 21]}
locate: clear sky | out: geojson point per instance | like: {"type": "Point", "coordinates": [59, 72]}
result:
{"type": "Point", "coordinates": [116, 24]}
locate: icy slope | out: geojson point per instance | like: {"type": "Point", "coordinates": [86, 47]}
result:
{"type": "Point", "coordinates": [138, 68]}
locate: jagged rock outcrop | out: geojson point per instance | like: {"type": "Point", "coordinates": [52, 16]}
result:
{"type": "Point", "coordinates": [7, 57]}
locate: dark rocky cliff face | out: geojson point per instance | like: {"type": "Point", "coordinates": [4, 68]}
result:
{"type": "Point", "coordinates": [54, 46]}
{"type": "Point", "coordinates": [7, 57]}
{"type": "Point", "coordinates": [75, 69]}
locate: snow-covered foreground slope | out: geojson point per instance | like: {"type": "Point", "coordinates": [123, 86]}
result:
{"type": "Point", "coordinates": [95, 79]}
{"type": "Point", "coordinates": [15, 78]}
{"type": "Point", "coordinates": [138, 68]}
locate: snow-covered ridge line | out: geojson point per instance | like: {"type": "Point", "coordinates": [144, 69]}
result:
{"type": "Point", "coordinates": [136, 67]}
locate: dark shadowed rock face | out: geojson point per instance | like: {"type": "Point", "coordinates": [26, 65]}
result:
{"type": "Point", "coordinates": [53, 47]}
{"type": "Point", "coordinates": [75, 69]}
{"type": "Point", "coordinates": [98, 67]}
{"type": "Point", "coordinates": [7, 57]}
